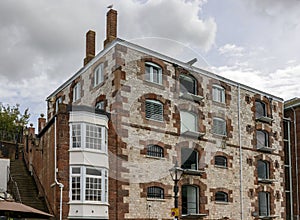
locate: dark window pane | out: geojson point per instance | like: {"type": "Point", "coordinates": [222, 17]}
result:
{"type": "Point", "coordinates": [189, 159]}
{"type": "Point", "coordinates": [221, 161]}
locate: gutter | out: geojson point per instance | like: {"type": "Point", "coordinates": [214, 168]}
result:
{"type": "Point", "coordinates": [296, 154]}
{"type": "Point", "coordinates": [241, 154]}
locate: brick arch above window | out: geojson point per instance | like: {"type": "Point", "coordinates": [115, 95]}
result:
{"type": "Point", "coordinates": [145, 186]}
{"type": "Point", "coordinates": [166, 108]}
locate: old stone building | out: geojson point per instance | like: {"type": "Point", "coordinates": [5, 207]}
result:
{"type": "Point", "coordinates": [117, 126]}
{"type": "Point", "coordinates": [291, 143]}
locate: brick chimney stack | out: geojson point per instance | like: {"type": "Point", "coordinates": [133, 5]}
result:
{"type": "Point", "coordinates": [41, 123]}
{"type": "Point", "coordinates": [111, 26]}
{"type": "Point", "coordinates": [90, 46]}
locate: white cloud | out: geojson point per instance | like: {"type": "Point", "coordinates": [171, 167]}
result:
{"type": "Point", "coordinates": [231, 50]}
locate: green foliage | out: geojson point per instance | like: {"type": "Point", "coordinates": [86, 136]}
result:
{"type": "Point", "coordinates": [12, 122]}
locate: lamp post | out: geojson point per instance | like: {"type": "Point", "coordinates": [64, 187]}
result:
{"type": "Point", "coordinates": [176, 173]}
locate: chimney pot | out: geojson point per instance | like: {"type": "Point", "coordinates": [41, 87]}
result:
{"type": "Point", "coordinates": [90, 46]}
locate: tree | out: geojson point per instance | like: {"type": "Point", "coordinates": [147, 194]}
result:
{"type": "Point", "coordinates": [12, 122]}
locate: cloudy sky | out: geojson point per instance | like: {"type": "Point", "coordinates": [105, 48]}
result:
{"type": "Point", "coordinates": [254, 42]}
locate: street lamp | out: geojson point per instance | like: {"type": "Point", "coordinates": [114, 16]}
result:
{"type": "Point", "coordinates": [176, 173]}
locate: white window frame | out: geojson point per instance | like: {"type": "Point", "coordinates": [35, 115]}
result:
{"type": "Point", "coordinates": [83, 180]}
{"type": "Point", "coordinates": [218, 93]}
{"type": "Point", "coordinates": [185, 117]}
{"type": "Point", "coordinates": [98, 74]}
{"type": "Point", "coordinates": [82, 143]}
{"type": "Point", "coordinates": [149, 76]}
{"type": "Point", "coordinates": [100, 105]}
{"type": "Point", "coordinates": [57, 102]}
{"type": "Point", "coordinates": [76, 92]}
{"type": "Point", "coordinates": [215, 130]}
{"type": "Point", "coordinates": [155, 104]}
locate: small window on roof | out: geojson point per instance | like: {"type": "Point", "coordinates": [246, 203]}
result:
{"type": "Point", "coordinates": [98, 75]}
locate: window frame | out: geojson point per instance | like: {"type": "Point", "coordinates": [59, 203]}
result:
{"type": "Point", "coordinates": [57, 102]}
{"type": "Point", "coordinates": [76, 92]}
{"type": "Point", "coordinates": [215, 129]}
{"type": "Point", "coordinates": [221, 196]}
{"type": "Point", "coordinates": [100, 105]}
{"type": "Point", "coordinates": [183, 88]}
{"type": "Point", "coordinates": [263, 169]}
{"type": "Point", "coordinates": [154, 150]}
{"type": "Point", "coordinates": [266, 211]}
{"type": "Point", "coordinates": [185, 204]}
{"type": "Point", "coordinates": [219, 163]}
{"type": "Point", "coordinates": [149, 76]}
{"type": "Point", "coordinates": [263, 106]}
{"type": "Point", "coordinates": [185, 162]}
{"type": "Point", "coordinates": [218, 94]}
{"type": "Point", "coordinates": [150, 103]}
{"type": "Point", "coordinates": [83, 184]}
{"type": "Point", "coordinates": [266, 139]}
{"type": "Point", "coordinates": [155, 192]}
{"type": "Point", "coordinates": [81, 135]}
{"type": "Point", "coordinates": [187, 128]}
{"type": "Point", "coordinates": [98, 74]}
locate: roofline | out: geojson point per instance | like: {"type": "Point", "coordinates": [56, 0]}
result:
{"type": "Point", "coordinates": [297, 104]}
{"type": "Point", "coordinates": [165, 58]}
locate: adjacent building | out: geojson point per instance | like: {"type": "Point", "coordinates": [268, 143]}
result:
{"type": "Point", "coordinates": [118, 125]}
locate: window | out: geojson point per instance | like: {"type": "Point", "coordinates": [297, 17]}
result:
{"type": "Point", "coordinates": [188, 122]}
{"type": "Point", "coordinates": [218, 93]}
{"type": "Point", "coordinates": [100, 105]}
{"type": "Point", "coordinates": [155, 192]}
{"type": "Point", "coordinates": [89, 184]}
{"type": "Point", "coordinates": [57, 102]}
{"type": "Point", "coordinates": [263, 169]}
{"type": "Point", "coordinates": [221, 197]}
{"type": "Point", "coordinates": [219, 126]}
{"type": "Point", "coordinates": [260, 109]}
{"type": "Point", "coordinates": [262, 139]}
{"type": "Point", "coordinates": [190, 199]}
{"type": "Point", "coordinates": [153, 73]}
{"type": "Point", "coordinates": [154, 110]}
{"type": "Point", "coordinates": [155, 151]}
{"type": "Point", "coordinates": [188, 84]}
{"type": "Point", "coordinates": [264, 203]}
{"type": "Point", "coordinates": [76, 92]}
{"type": "Point", "coordinates": [88, 136]}
{"type": "Point", "coordinates": [189, 159]}
{"type": "Point", "coordinates": [98, 75]}
{"type": "Point", "coordinates": [221, 161]}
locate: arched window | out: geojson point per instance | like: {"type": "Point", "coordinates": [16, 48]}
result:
{"type": "Point", "coordinates": [188, 121]}
{"type": "Point", "coordinates": [263, 169]}
{"type": "Point", "coordinates": [76, 92]}
{"type": "Point", "coordinates": [190, 199]}
{"type": "Point", "coordinates": [264, 203]}
{"type": "Point", "coordinates": [188, 84]}
{"type": "Point", "coordinates": [260, 109]}
{"type": "Point", "coordinates": [154, 110]}
{"type": "Point", "coordinates": [221, 196]}
{"type": "Point", "coordinates": [221, 161]}
{"type": "Point", "coordinates": [98, 75]}
{"type": "Point", "coordinates": [219, 126]}
{"type": "Point", "coordinates": [189, 159]}
{"type": "Point", "coordinates": [155, 192]}
{"type": "Point", "coordinates": [155, 151]}
{"type": "Point", "coordinates": [218, 93]}
{"type": "Point", "coordinates": [262, 139]}
{"type": "Point", "coordinates": [153, 73]}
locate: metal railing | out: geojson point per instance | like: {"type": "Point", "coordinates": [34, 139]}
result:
{"type": "Point", "coordinates": [13, 188]}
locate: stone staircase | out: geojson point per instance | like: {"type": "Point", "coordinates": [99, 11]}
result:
{"type": "Point", "coordinates": [27, 187]}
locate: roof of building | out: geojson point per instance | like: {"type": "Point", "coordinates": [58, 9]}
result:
{"type": "Point", "coordinates": [158, 55]}
{"type": "Point", "coordinates": [294, 102]}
